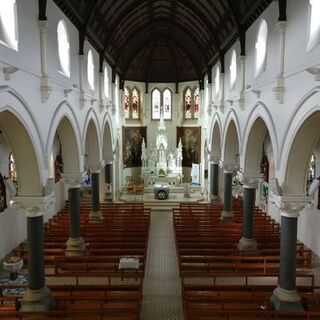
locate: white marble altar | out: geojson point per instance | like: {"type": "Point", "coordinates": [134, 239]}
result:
{"type": "Point", "coordinates": [159, 165]}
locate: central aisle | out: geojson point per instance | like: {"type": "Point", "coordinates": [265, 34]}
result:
{"type": "Point", "coordinates": [162, 286]}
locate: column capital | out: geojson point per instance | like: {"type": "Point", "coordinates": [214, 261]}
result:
{"type": "Point", "coordinates": [73, 180]}
{"type": "Point", "coordinates": [290, 205]}
{"type": "Point", "coordinates": [215, 159]}
{"type": "Point", "coordinates": [242, 58]}
{"type": "Point", "coordinates": [43, 25]}
{"type": "Point", "coordinates": [281, 26]}
{"type": "Point", "coordinates": [250, 180]}
{"type": "Point", "coordinates": [228, 167]}
{"type": "Point", "coordinates": [95, 166]}
{"type": "Point", "coordinates": [34, 206]}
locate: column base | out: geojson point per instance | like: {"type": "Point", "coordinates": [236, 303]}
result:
{"type": "Point", "coordinates": [285, 300]}
{"type": "Point", "coordinates": [226, 215]}
{"type": "Point", "coordinates": [75, 247]}
{"type": "Point", "coordinates": [95, 216]}
{"type": "Point", "coordinates": [247, 244]}
{"type": "Point", "coordinates": [37, 300]}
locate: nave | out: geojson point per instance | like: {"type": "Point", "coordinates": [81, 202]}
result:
{"type": "Point", "coordinates": [95, 286]}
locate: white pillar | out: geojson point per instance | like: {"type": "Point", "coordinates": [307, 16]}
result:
{"type": "Point", "coordinates": [280, 87]}
{"type": "Point", "coordinates": [44, 85]}
{"type": "Point", "coordinates": [101, 91]}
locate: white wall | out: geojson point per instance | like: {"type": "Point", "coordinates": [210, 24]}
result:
{"type": "Point", "coordinates": [152, 125]}
{"type": "Point", "coordinates": [281, 119]}
{"type": "Point", "coordinates": [21, 96]}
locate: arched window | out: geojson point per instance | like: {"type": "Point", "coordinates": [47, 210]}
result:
{"type": "Point", "coordinates": [12, 168]}
{"type": "Point", "coordinates": [155, 104]}
{"type": "Point", "coordinates": [167, 104]}
{"type": "Point", "coordinates": [8, 24]}
{"type": "Point", "coordinates": [191, 103]}
{"type": "Point", "coordinates": [126, 106]}
{"type": "Point", "coordinates": [261, 47]}
{"type": "Point", "coordinates": [106, 82]}
{"type": "Point", "coordinates": [63, 48]}
{"type": "Point", "coordinates": [135, 104]}
{"type": "Point", "coordinates": [90, 70]}
{"type": "Point", "coordinates": [314, 30]}
{"type": "Point", "coordinates": [196, 106]}
{"type": "Point", "coordinates": [187, 104]}
{"type": "Point", "coordinates": [233, 69]}
{"type": "Point", "coordinates": [312, 171]}
{"type": "Point", "coordinates": [217, 81]}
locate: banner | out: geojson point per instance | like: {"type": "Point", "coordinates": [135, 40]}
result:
{"type": "Point", "coordinates": [195, 173]}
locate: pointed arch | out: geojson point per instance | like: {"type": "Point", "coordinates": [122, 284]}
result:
{"type": "Point", "coordinates": [216, 137]}
{"type": "Point", "coordinates": [108, 139]}
{"type": "Point", "coordinates": [32, 165]}
{"type": "Point", "coordinates": [301, 137]}
{"type": "Point", "coordinates": [259, 122]}
{"type": "Point", "coordinates": [64, 123]}
{"type": "Point", "coordinates": [231, 139]}
{"type": "Point", "coordinates": [91, 137]}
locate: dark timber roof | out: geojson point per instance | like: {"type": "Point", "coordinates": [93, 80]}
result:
{"type": "Point", "coordinates": [162, 40]}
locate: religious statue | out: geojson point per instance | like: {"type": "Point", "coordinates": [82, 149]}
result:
{"type": "Point", "coordinates": [143, 154]}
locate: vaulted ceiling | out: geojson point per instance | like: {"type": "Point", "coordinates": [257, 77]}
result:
{"type": "Point", "coordinates": [162, 40]}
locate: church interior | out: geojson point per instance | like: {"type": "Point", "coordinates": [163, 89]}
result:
{"type": "Point", "coordinates": [159, 159]}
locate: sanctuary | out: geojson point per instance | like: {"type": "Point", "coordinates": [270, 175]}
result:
{"type": "Point", "coordinates": [159, 165]}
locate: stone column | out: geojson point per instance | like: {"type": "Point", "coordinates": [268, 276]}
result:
{"type": "Point", "coordinates": [214, 178]}
{"type": "Point", "coordinates": [75, 244]}
{"type": "Point", "coordinates": [108, 176]}
{"type": "Point", "coordinates": [95, 213]}
{"type": "Point", "coordinates": [114, 193]}
{"type": "Point", "coordinates": [285, 297]}
{"type": "Point", "coordinates": [37, 295]}
{"type": "Point", "coordinates": [247, 242]}
{"type": "Point", "coordinates": [227, 203]}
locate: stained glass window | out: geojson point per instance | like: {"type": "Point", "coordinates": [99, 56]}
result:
{"type": "Point", "coordinates": [135, 104]}
{"type": "Point", "coordinates": [167, 103]}
{"type": "Point", "coordinates": [155, 105]}
{"type": "Point", "coordinates": [126, 103]}
{"type": "Point", "coordinates": [187, 104]}
{"type": "Point", "coordinates": [12, 168]}
{"type": "Point", "coordinates": [312, 171]}
{"type": "Point", "coordinates": [196, 105]}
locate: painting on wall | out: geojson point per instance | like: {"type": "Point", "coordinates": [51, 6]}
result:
{"type": "Point", "coordinates": [191, 144]}
{"type": "Point", "coordinates": [131, 144]}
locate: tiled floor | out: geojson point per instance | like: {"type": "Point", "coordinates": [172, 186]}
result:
{"type": "Point", "coordinates": [162, 287]}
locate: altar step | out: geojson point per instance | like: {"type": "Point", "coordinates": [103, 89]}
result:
{"type": "Point", "coordinates": [165, 205]}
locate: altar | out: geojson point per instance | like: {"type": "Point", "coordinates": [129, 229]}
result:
{"type": "Point", "coordinates": [159, 165]}
{"type": "Point", "coordinates": [170, 179]}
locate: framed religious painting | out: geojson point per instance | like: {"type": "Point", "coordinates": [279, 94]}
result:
{"type": "Point", "coordinates": [131, 145]}
{"type": "Point", "coordinates": [191, 144]}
